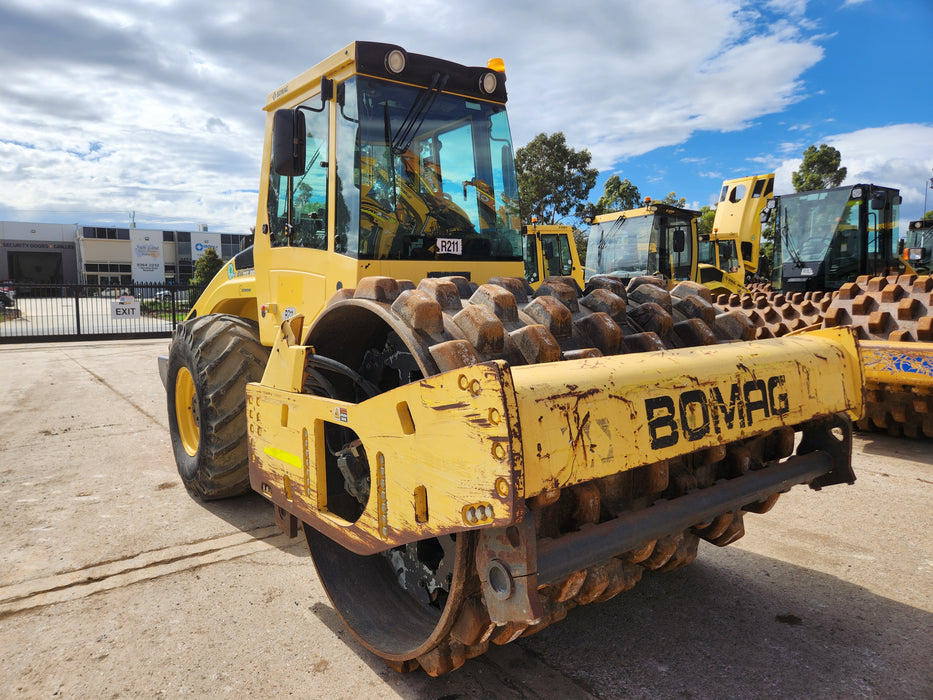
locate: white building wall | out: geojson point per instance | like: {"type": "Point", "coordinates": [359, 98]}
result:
{"type": "Point", "coordinates": [106, 260]}
{"type": "Point", "coordinates": [26, 231]}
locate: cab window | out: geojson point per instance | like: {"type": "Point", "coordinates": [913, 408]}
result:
{"type": "Point", "coordinates": [298, 205]}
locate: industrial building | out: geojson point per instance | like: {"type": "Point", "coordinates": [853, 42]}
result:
{"type": "Point", "coordinates": [78, 254]}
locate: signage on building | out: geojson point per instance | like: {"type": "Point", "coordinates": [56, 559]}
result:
{"type": "Point", "coordinates": [202, 241]}
{"type": "Point", "coordinates": [34, 245]}
{"type": "Point", "coordinates": [146, 256]}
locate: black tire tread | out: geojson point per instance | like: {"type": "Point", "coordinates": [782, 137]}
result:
{"type": "Point", "coordinates": [223, 353]}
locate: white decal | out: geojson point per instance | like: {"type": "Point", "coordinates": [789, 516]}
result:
{"type": "Point", "coordinates": [450, 246]}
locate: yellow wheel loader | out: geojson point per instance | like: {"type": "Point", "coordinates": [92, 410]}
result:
{"type": "Point", "coordinates": [656, 239]}
{"type": "Point", "coordinates": [729, 256]}
{"type": "Point", "coordinates": [550, 251]}
{"type": "Point", "coordinates": [468, 461]}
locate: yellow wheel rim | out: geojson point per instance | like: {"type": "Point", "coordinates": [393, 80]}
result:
{"type": "Point", "coordinates": [186, 411]}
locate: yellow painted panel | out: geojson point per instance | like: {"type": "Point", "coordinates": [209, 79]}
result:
{"type": "Point", "coordinates": [461, 449]}
{"type": "Point", "coordinates": [452, 449]}
{"type": "Point", "coordinates": [589, 418]}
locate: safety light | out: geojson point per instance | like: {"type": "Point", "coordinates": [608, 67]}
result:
{"type": "Point", "coordinates": [395, 61]}
{"type": "Point", "coordinates": [496, 64]}
{"type": "Point", "coordinates": [488, 83]}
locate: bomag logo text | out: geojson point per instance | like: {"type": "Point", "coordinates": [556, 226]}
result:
{"type": "Point", "coordinates": [693, 414]}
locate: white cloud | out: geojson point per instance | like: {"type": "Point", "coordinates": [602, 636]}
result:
{"type": "Point", "coordinates": [793, 7]}
{"type": "Point", "coordinates": [899, 155]}
{"type": "Point", "coordinates": [636, 90]}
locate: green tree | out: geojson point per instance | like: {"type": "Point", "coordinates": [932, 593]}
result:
{"type": "Point", "coordinates": [673, 200]}
{"type": "Point", "coordinates": [618, 195]}
{"type": "Point", "coordinates": [553, 179]}
{"type": "Point", "coordinates": [705, 222]}
{"type": "Point", "coordinates": [581, 238]}
{"type": "Point", "coordinates": [206, 267]}
{"type": "Point", "coordinates": [819, 169]}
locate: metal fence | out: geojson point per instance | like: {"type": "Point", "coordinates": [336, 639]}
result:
{"type": "Point", "coordinates": [61, 312]}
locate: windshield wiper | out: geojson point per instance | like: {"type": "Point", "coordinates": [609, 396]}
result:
{"type": "Point", "coordinates": [417, 113]}
{"type": "Point", "coordinates": [791, 246]}
{"type": "Point", "coordinates": [603, 235]}
{"type": "Point", "coordinates": [617, 224]}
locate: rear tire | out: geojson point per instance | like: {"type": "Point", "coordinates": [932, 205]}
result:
{"type": "Point", "coordinates": [211, 359]}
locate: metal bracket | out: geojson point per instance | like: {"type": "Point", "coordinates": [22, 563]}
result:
{"type": "Point", "coordinates": [285, 521]}
{"type": "Point", "coordinates": [506, 559]}
{"type": "Point", "coordinates": [833, 436]}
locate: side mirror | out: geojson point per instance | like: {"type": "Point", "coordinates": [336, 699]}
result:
{"type": "Point", "coordinates": [878, 200]}
{"type": "Point", "coordinates": [680, 240]}
{"type": "Point", "coordinates": [765, 215]}
{"type": "Point", "coordinates": [288, 142]}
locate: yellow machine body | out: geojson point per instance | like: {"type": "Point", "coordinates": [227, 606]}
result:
{"type": "Point", "coordinates": [732, 250]}
{"type": "Point", "coordinates": [510, 433]}
{"type": "Point", "coordinates": [656, 239]}
{"type": "Point", "coordinates": [468, 460]}
{"type": "Point", "coordinates": [550, 251]}
{"type": "Point", "coordinates": [289, 280]}
{"type": "Point", "coordinates": [898, 364]}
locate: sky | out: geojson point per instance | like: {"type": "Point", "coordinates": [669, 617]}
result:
{"type": "Point", "coordinates": [114, 111]}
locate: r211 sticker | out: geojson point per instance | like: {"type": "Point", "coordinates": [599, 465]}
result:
{"type": "Point", "coordinates": [450, 246]}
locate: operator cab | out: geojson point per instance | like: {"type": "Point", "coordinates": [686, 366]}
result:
{"type": "Point", "coordinates": [918, 247]}
{"type": "Point", "coordinates": [422, 166]}
{"type": "Point", "coordinates": [656, 239]}
{"type": "Point", "coordinates": [826, 238]}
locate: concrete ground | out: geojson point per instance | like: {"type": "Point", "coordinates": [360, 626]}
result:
{"type": "Point", "coordinates": [115, 583]}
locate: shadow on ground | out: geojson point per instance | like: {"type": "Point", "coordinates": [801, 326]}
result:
{"type": "Point", "coordinates": [732, 624]}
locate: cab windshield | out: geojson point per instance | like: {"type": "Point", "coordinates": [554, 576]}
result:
{"type": "Point", "coordinates": [621, 247]}
{"type": "Point", "coordinates": [640, 245]}
{"type": "Point", "coordinates": [920, 237]}
{"type": "Point", "coordinates": [424, 175]}
{"type": "Point", "coordinates": [809, 223]}
{"type": "Point", "coordinates": [920, 244]}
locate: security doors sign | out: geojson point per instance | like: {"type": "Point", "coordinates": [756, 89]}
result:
{"type": "Point", "coordinates": [124, 307]}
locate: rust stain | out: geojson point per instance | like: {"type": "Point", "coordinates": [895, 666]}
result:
{"type": "Point", "coordinates": [576, 426]}
{"type": "Point", "coordinates": [451, 406]}
{"type": "Point", "coordinates": [629, 404]}
{"type": "Point", "coordinates": [571, 393]}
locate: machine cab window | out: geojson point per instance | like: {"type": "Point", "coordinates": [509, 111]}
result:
{"type": "Point", "coordinates": [298, 205]}
{"type": "Point", "coordinates": [430, 178]}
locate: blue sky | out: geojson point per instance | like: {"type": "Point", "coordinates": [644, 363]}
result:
{"type": "Point", "coordinates": [109, 107]}
{"type": "Point", "coordinates": [868, 95]}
